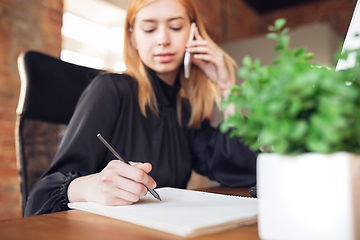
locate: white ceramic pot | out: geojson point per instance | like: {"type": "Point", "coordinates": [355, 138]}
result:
{"type": "Point", "coordinates": [309, 196]}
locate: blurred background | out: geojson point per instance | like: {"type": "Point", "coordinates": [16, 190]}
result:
{"type": "Point", "coordinates": [90, 33]}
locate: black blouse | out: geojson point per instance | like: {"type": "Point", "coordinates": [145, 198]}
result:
{"type": "Point", "coordinates": [109, 105]}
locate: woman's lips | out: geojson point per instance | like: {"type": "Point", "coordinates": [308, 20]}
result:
{"type": "Point", "coordinates": [164, 57]}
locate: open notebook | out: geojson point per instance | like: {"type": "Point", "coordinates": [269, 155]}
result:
{"type": "Point", "coordinates": [182, 212]}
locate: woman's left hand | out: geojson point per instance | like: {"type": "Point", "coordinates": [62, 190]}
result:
{"type": "Point", "coordinates": [210, 60]}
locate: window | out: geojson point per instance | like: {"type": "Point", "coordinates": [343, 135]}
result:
{"type": "Point", "coordinates": [91, 36]}
{"type": "Point", "coordinates": [81, 59]}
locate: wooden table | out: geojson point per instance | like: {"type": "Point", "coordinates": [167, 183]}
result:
{"type": "Point", "coordinates": [74, 224]}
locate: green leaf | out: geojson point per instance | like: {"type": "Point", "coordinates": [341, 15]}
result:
{"type": "Point", "coordinates": [267, 137]}
{"type": "Point", "coordinates": [281, 146]}
{"type": "Point", "coordinates": [294, 106]}
{"type": "Point", "coordinates": [224, 104]}
{"type": "Point", "coordinates": [309, 56]}
{"type": "Point", "coordinates": [243, 72]}
{"type": "Point", "coordinates": [300, 129]}
{"type": "Point", "coordinates": [279, 23]}
{"type": "Point", "coordinates": [278, 48]}
{"type": "Point", "coordinates": [273, 36]}
{"type": "Point", "coordinates": [235, 88]}
{"type": "Point", "coordinates": [317, 145]}
{"type": "Point", "coordinates": [276, 106]}
{"type": "Point", "coordinates": [284, 41]}
{"type": "Point", "coordinates": [285, 31]}
{"type": "Point", "coordinates": [247, 61]}
{"type": "Point", "coordinates": [257, 64]}
{"type": "Point", "coordinates": [299, 51]}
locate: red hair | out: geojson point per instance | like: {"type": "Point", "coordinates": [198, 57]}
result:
{"type": "Point", "coordinates": [201, 92]}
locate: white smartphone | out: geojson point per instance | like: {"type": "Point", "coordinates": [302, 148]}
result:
{"type": "Point", "coordinates": [187, 63]}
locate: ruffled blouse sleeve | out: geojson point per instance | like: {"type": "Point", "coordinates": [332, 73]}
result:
{"type": "Point", "coordinates": [53, 194]}
{"type": "Point", "coordinates": [221, 158]}
{"type": "Point", "coordinates": [80, 152]}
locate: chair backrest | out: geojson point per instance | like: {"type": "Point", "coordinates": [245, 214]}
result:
{"type": "Point", "coordinates": [50, 89]}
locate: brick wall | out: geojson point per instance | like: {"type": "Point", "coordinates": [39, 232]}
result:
{"type": "Point", "coordinates": [230, 20]}
{"type": "Point", "coordinates": [36, 24]}
{"type": "Point", "coordinates": [24, 25]}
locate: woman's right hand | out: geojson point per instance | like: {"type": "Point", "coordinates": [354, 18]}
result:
{"type": "Point", "coordinates": [117, 184]}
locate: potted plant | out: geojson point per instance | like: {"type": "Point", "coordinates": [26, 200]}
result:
{"type": "Point", "coordinates": [304, 119]}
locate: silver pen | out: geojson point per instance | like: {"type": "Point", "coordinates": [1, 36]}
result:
{"type": "Point", "coordinates": [117, 155]}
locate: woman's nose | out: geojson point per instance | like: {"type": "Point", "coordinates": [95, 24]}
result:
{"type": "Point", "coordinates": [163, 37]}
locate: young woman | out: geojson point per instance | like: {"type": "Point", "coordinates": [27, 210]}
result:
{"type": "Point", "coordinates": [151, 114]}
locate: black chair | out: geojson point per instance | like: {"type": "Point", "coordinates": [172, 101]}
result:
{"type": "Point", "coordinates": [50, 89]}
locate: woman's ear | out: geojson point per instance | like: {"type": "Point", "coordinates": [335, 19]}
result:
{"type": "Point", "coordinates": [132, 38]}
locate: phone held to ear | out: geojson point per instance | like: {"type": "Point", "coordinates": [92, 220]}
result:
{"type": "Point", "coordinates": [187, 63]}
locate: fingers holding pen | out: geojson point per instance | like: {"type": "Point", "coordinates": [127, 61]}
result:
{"type": "Point", "coordinates": [136, 172]}
{"type": "Point", "coordinates": [113, 177]}
{"type": "Point", "coordinates": [110, 194]}
{"type": "Point", "coordinates": [147, 167]}
{"type": "Point", "coordinates": [141, 177]}
{"type": "Point", "coordinates": [121, 184]}
{"type": "Point", "coordinates": [117, 184]}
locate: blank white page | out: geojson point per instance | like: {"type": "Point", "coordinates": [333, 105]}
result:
{"type": "Point", "coordinates": [182, 212]}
